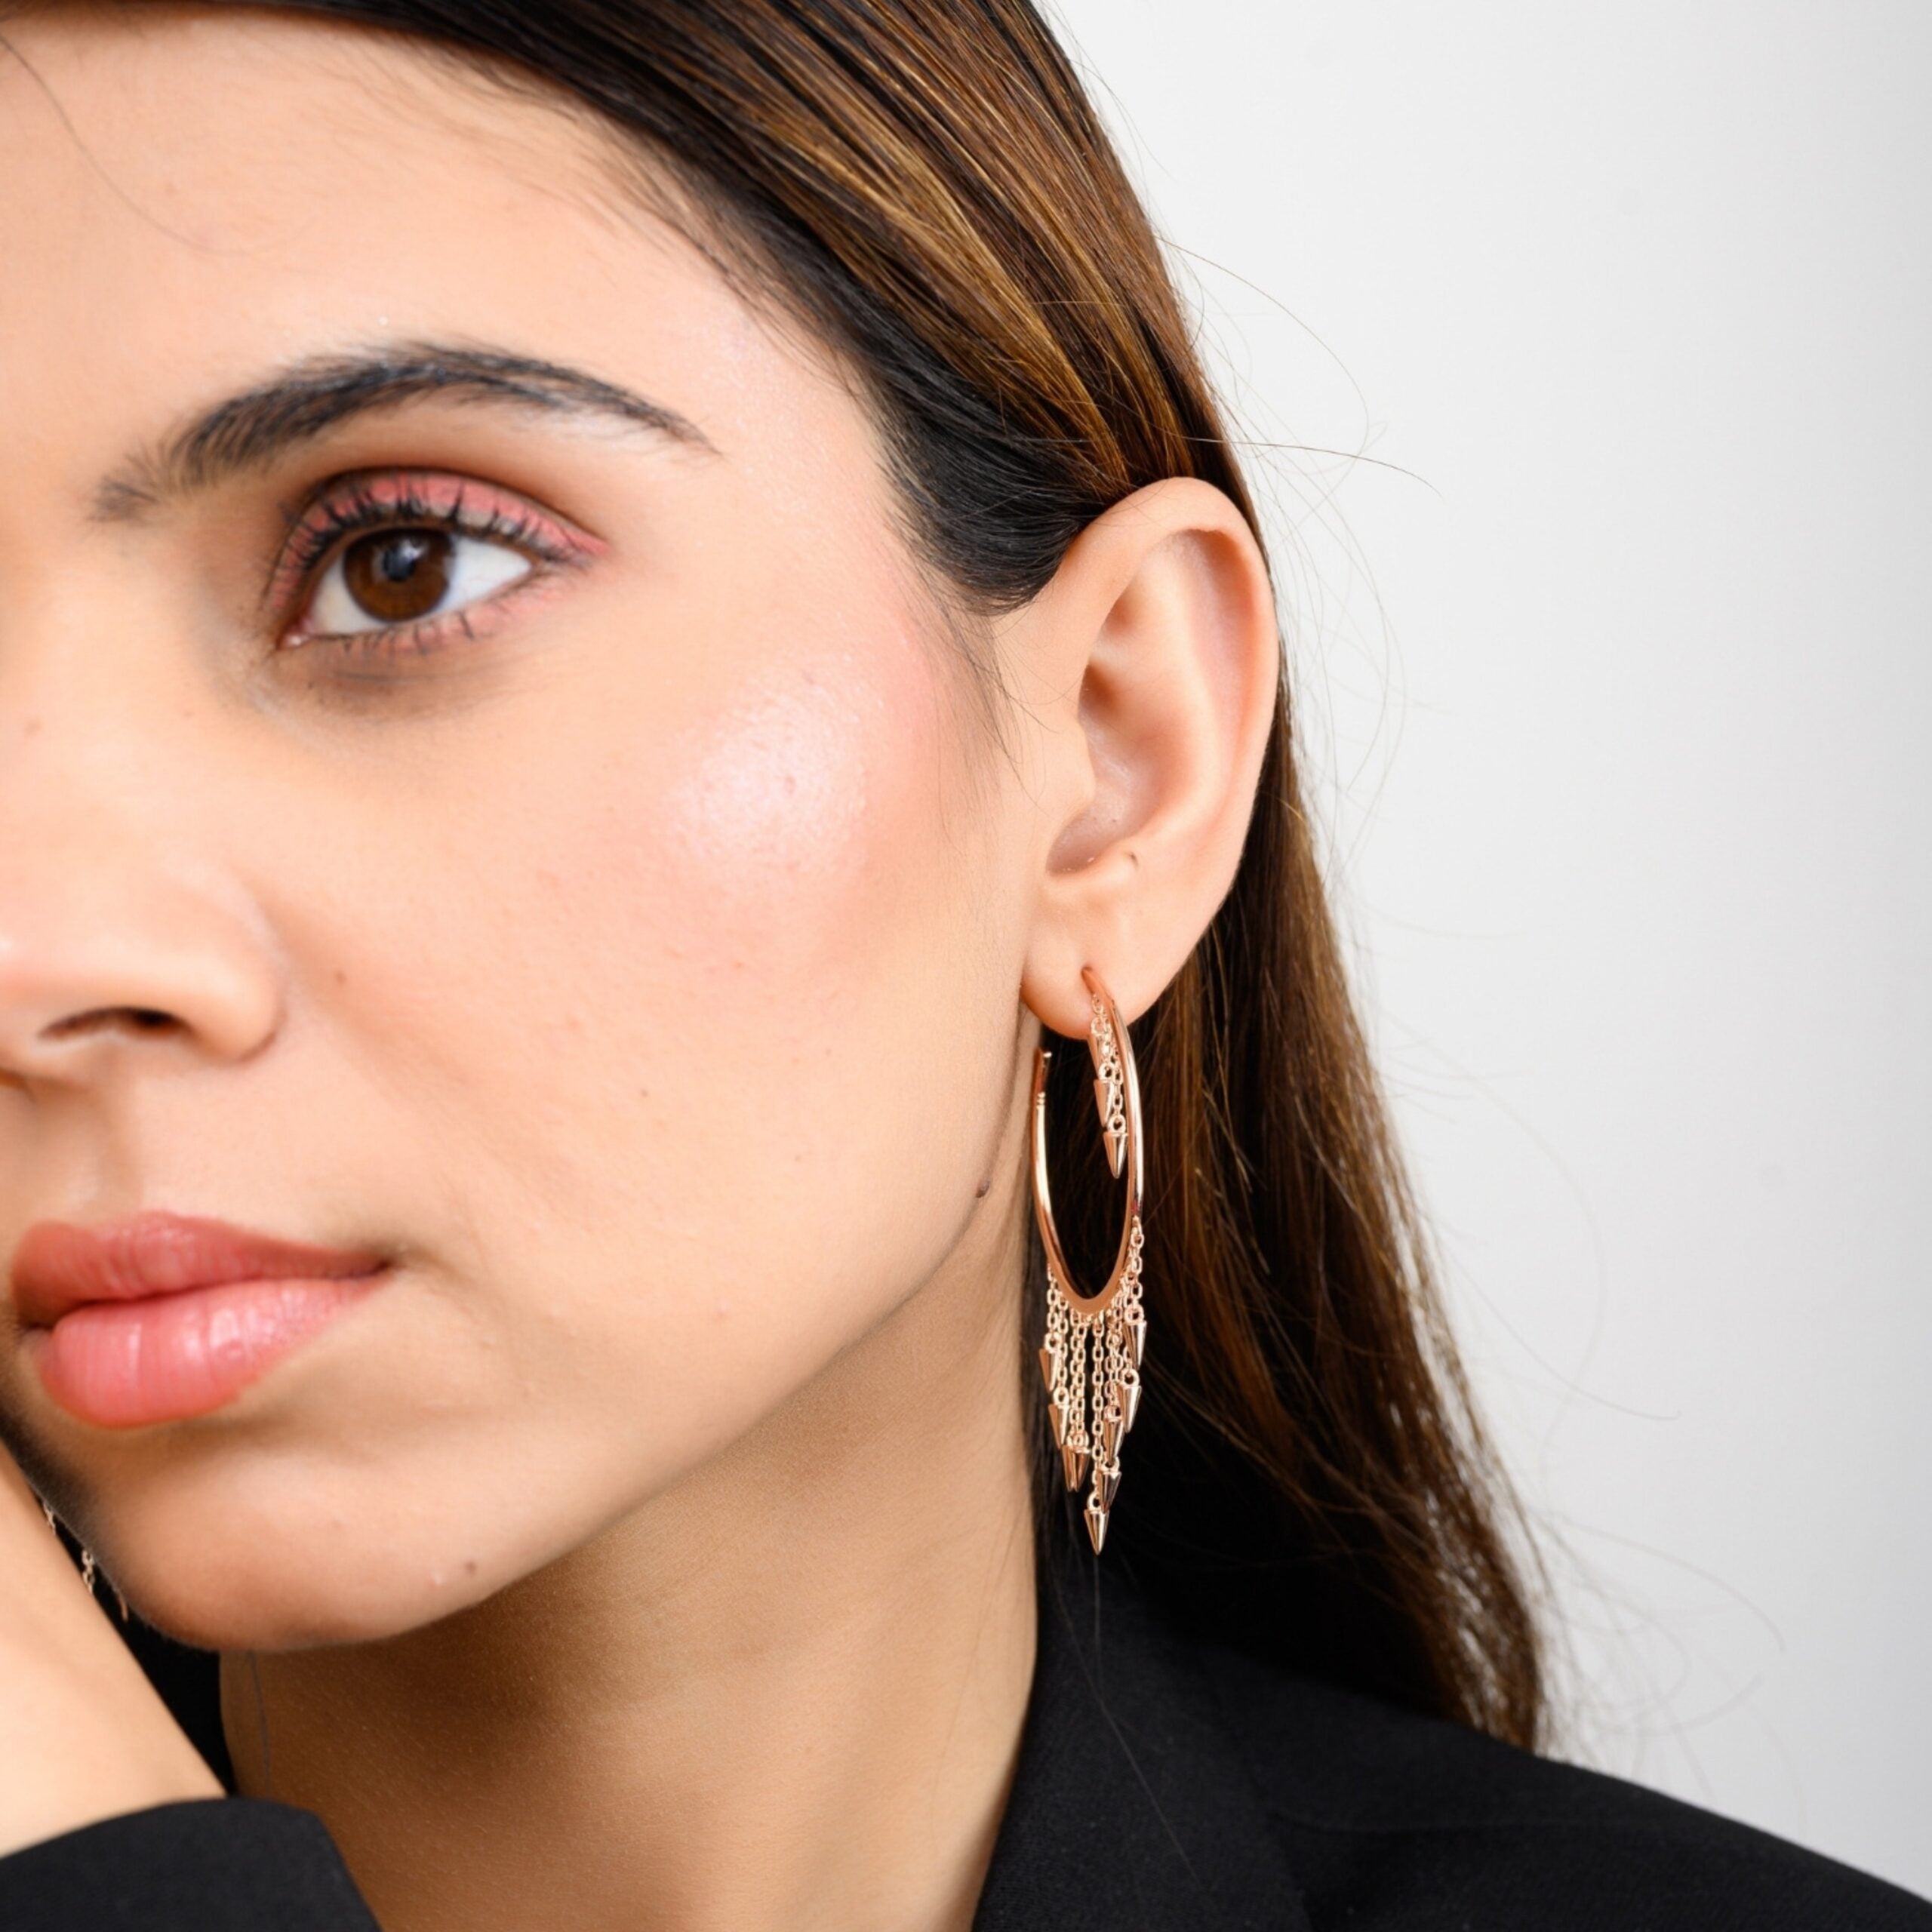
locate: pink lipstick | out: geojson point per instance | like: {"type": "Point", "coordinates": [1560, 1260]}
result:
{"type": "Point", "coordinates": [159, 1317]}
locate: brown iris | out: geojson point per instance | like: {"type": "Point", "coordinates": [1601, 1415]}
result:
{"type": "Point", "coordinates": [399, 575]}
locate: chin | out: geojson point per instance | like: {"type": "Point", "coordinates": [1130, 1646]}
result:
{"type": "Point", "coordinates": [241, 1568]}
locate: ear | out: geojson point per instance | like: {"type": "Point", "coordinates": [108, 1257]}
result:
{"type": "Point", "coordinates": [1151, 665]}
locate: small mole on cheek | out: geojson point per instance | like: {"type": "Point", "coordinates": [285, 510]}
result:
{"type": "Point", "coordinates": [980, 1193]}
{"type": "Point", "coordinates": [341, 977]}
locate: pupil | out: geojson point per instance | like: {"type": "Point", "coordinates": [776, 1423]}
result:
{"type": "Point", "coordinates": [397, 575]}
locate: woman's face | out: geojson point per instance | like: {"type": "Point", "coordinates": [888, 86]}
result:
{"type": "Point", "coordinates": [601, 903]}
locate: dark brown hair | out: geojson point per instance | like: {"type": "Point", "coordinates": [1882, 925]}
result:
{"type": "Point", "coordinates": [926, 184]}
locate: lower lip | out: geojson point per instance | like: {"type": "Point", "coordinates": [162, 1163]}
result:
{"type": "Point", "coordinates": [119, 1364]}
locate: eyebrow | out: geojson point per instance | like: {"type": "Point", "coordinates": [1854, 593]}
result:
{"type": "Point", "coordinates": [249, 429]}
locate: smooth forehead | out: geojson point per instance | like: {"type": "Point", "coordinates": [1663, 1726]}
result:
{"type": "Point", "coordinates": [217, 189]}
{"type": "Point", "coordinates": [202, 87]}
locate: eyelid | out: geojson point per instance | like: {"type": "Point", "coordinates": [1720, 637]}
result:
{"type": "Point", "coordinates": [350, 505]}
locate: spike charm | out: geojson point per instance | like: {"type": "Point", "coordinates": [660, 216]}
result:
{"type": "Point", "coordinates": [1073, 1460]}
{"type": "Point", "coordinates": [1097, 1527]}
{"type": "Point", "coordinates": [1109, 1089]}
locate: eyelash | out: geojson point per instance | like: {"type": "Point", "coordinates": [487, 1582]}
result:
{"type": "Point", "coordinates": [361, 507]}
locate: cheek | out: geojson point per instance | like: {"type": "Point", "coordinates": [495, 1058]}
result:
{"type": "Point", "coordinates": [746, 917]}
{"type": "Point", "coordinates": [719, 938]}
{"type": "Point", "coordinates": [786, 810]}
{"type": "Point", "coordinates": [728, 881]}
{"type": "Point", "coordinates": [771, 860]}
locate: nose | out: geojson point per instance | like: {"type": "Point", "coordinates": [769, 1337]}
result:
{"type": "Point", "coordinates": [122, 936]}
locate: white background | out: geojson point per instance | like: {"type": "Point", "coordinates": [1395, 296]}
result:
{"type": "Point", "coordinates": [1621, 698]}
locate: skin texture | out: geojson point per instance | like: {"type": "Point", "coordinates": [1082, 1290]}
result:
{"type": "Point", "coordinates": [652, 966]}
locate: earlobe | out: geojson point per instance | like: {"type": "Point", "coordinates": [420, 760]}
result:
{"type": "Point", "coordinates": [1158, 637]}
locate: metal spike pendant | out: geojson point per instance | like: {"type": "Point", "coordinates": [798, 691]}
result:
{"type": "Point", "coordinates": [1074, 1461]}
{"type": "Point", "coordinates": [1106, 1484]}
{"type": "Point", "coordinates": [1056, 1416]}
{"type": "Point", "coordinates": [1136, 1330]}
{"type": "Point", "coordinates": [1111, 1432]}
{"type": "Point", "coordinates": [1116, 1142]}
{"type": "Point", "coordinates": [1130, 1399]}
{"type": "Point", "coordinates": [1050, 1367]}
{"type": "Point", "coordinates": [1097, 1527]}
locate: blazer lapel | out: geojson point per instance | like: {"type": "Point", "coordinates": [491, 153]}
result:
{"type": "Point", "coordinates": [1132, 1809]}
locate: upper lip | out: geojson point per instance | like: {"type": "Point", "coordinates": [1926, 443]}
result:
{"type": "Point", "coordinates": [59, 1266]}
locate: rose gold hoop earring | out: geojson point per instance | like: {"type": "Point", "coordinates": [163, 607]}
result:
{"type": "Point", "coordinates": [1095, 1343]}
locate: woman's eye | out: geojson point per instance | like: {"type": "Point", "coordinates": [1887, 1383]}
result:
{"type": "Point", "coordinates": [403, 576]}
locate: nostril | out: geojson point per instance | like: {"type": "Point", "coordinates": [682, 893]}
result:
{"type": "Point", "coordinates": [142, 1019]}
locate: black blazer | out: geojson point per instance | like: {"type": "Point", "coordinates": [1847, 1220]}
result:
{"type": "Point", "coordinates": [1163, 1786]}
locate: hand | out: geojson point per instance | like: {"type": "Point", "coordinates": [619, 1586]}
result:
{"type": "Point", "coordinates": [83, 1736]}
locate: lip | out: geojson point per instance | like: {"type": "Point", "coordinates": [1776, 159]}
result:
{"type": "Point", "coordinates": [161, 1316]}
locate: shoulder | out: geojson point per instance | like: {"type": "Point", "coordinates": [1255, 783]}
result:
{"type": "Point", "coordinates": [1391, 1818]}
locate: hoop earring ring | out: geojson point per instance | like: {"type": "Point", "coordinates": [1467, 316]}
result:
{"type": "Point", "coordinates": [1094, 1344]}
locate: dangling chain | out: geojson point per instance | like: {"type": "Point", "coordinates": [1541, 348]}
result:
{"type": "Point", "coordinates": [88, 1567]}
{"type": "Point", "coordinates": [1091, 1363]}
{"type": "Point", "coordinates": [1110, 1087]}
